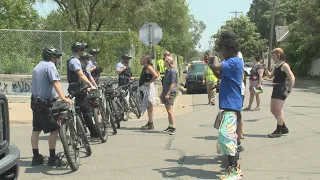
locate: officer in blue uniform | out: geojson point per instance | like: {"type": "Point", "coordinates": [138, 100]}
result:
{"type": "Point", "coordinates": [93, 65]}
{"type": "Point", "coordinates": [124, 70]}
{"type": "Point", "coordinates": [78, 76]}
{"type": "Point", "coordinates": [45, 85]}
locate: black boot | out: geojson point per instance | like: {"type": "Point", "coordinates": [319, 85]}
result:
{"type": "Point", "coordinates": [148, 126]}
{"type": "Point", "coordinates": [276, 133]}
{"type": "Point", "coordinates": [284, 129]}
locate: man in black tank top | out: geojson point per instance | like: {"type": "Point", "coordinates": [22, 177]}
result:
{"type": "Point", "coordinates": [280, 90]}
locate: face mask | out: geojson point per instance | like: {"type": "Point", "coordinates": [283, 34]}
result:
{"type": "Point", "coordinates": [57, 61]}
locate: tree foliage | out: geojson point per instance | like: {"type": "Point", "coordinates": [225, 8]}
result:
{"type": "Point", "coordinates": [260, 13]}
{"type": "Point", "coordinates": [249, 39]}
{"type": "Point", "coordinates": [180, 35]}
{"type": "Point", "coordinates": [304, 42]}
{"type": "Point", "coordinates": [17, 15]}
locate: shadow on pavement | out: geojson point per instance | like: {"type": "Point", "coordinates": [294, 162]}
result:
{"type": "Point", "coordinates": [207, 137]}
{"type": "Point", "coordinates": [138, 129]}
{"type": "Point", "coordinates": [51, 171]}
{"type": "Point", "coordinates": [198, 173]}
{"type": "Point", "coordinates": [200, 104]}
{"type": "Point", "coordinates": [306, 106]}
{"type": "Point", "coordinates": [256, 135]}
{"type": "Point", "coordinates": [44, 169]}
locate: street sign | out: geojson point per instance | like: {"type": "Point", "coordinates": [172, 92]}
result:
{"type": "Point", "coordinates": [150, 33]}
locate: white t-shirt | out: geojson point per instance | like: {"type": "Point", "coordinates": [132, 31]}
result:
{"type": "Point", "coordinates": [243, 89]}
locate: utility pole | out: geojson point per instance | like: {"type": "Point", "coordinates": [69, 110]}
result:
{"type": "Point", "coordinates": [271, 34]}
{"type": "Point", "coordinates": [236, 13]}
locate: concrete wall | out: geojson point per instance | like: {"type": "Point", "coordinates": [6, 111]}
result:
{"type": "Point", "coordinates": [18, 88]}
{"type": "Point", "coordinates": [315, 68]}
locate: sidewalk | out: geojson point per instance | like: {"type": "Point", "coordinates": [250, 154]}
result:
{"type": "Point", "coordinates": [21, 113]}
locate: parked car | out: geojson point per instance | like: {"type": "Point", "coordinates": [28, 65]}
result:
{"type": "Point", "coordinates": [194, 78]}
{"type": "Point", "coordinates": [9, 153]}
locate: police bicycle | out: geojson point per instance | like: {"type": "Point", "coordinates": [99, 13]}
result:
{"type": "Point", "coordinates": [72, 132]}
{"type": "Point", "coordinates": [97, 101]}
{"type": "Point", "coordinates": [115, 110]}
{"type": "Point", "coordinates": [133, 105]}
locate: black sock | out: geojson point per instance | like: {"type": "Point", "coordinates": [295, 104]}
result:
{"type": "Point", "coordinates": [284, 125]}
{"type": "Point", "coordinates": [279, 127]}
{"type": "Point", "coordinates": [232, 161]}
{"type": "Point", "coordinates": [35, 152]}
{"type": "Point", "coordinates": [52, 153]}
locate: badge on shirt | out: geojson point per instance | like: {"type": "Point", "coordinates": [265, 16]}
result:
{"type": "Point", "coordinates": [56, 71]}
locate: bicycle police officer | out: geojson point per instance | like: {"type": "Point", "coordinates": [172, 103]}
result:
{"type": "Point", "coordinates": [78, 76]}
{"type": "Point", "coordinates": [93, 65]}
{"type": "Point", "coordinates": [123, 70]}
{"type": "Point", "coordinates": [45, 85]}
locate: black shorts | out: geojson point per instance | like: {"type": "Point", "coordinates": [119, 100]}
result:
{"type": "Point", "coordinates": [278, 92]}
{"type": "Point", "coordinates": [42, 121]}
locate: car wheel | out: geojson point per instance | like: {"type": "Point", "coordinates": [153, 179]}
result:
{"type": "Point", "coordinates": [189, 91]}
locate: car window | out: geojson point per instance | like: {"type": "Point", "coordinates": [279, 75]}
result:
{"type": "Point", "coordinates": [197, 68]}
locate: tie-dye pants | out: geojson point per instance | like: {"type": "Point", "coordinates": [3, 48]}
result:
{"type": "Point", "coordinates": [227, 139]}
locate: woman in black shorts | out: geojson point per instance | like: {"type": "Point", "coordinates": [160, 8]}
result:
{"type": "Point", "coordinates": [280, 91]}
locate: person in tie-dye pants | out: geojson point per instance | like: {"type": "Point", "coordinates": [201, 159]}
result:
{"type": "Point", "coordinates": [230, 99]}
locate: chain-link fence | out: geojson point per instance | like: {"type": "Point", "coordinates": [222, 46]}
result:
{"type": "Point", "coordinates": [20, 50]}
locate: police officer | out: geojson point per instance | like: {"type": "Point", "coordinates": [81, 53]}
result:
{"type": "Point", "coordinates": [45, 85]}
{"type": "Point", "coordinates": [124, 71]}
{"type": "Point", "coordinates": [93, 65]}
{"type": "Point", "coordinates": [161, 69]}
{"type": "Point", "coordinates": [78, 76]}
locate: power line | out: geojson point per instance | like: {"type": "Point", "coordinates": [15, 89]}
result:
{"type": "Point", "coordinates": [236, 13]}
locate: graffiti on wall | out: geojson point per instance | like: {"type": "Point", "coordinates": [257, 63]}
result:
{"type": "Point", "coordinates": [15, 87]}
{"type": "Point", "coordinates": [3, 87]}
{"type": "Point", "coordinates": [21, 87]}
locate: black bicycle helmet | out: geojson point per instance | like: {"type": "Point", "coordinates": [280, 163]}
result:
{"type": "Point", "coordinates": [94, 52]}
{"type": "Point", "coordinates": [78, 46]}
{"type": "Point", "coordinates": [51, 52]}
{"type": "Point", "coordinates": [85, 56]}
{"type": "Point", "coordinates": [126, 57]}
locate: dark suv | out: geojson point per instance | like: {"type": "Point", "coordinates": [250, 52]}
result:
{"type": "Point", "coordinates": [9, 153]}
{"type": "Point", "coordinates": [194, 78]}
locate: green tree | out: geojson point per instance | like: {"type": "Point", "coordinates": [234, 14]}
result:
{"type": "Point", "coordinates": [180, 35]}
{"type": "Point", "coordinates": [260, 13]}
{"type": "Point", "coordinates": [249, 39]}
{"type": "Point", "coordinates": [304, 42]}
{"type": "Point", "coordinates": [17, 15]}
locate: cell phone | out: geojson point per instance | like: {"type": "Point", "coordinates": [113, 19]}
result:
{"type": "Point", "coordinates": [211, 60]}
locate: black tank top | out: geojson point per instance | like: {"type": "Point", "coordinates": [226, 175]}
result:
{"type": "Point", "coordinates": [279, 76]}
{"type": "Point", "coordinates": [144, 77]}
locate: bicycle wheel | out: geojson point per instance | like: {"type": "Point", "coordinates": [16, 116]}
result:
{"type": "Point", "coordinates": [135, 107]}
{"type": "Point", "coordinates": [125, 108]}
{"type": "Point", "coordinates": [82, 133]}
{"type": "Point", "coordinates": [100, 127]}
{"type": "Point", "coordinates": [117, 112]}
{"type": "Point", "coordinates": [110, 116]}
{"type": "Point", "coordinates": [70, 140]}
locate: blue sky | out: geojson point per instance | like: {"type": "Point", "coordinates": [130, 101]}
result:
{"type": "Point", "coordinates": [212, 12]}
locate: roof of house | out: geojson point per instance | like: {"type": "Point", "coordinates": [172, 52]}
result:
{"type": "Point", "coordinates": [282, 33]}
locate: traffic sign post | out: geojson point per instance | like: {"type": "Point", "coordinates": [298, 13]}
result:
{"type": "Point", "coordinates": [150, 34]}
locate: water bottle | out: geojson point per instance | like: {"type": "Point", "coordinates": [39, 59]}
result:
{"type": "Point", "coordinates": [258, 90]}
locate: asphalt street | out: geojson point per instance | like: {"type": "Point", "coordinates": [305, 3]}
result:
{"type": "Point", "coordinates": [191, 153]}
